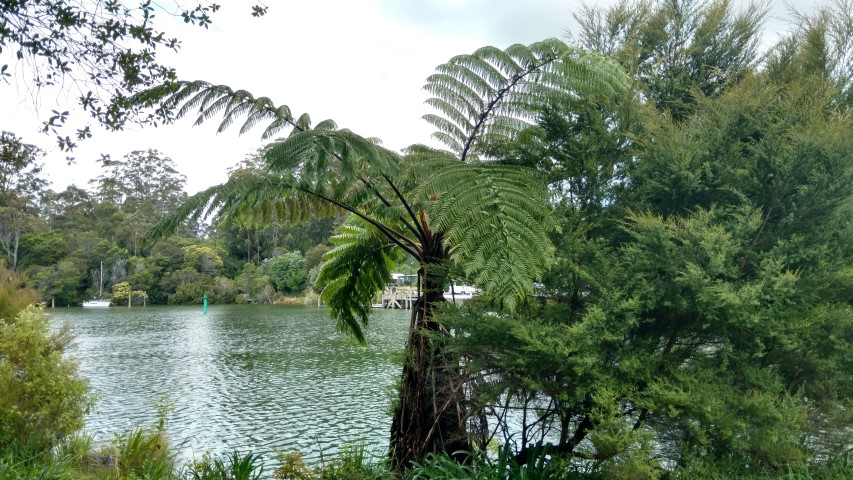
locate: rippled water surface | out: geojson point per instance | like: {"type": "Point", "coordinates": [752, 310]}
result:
{"type": "Point", "coordinates": [246, 377]}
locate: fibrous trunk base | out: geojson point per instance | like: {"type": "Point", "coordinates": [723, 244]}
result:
{"type": "Point", "coordinates": [431, 415]}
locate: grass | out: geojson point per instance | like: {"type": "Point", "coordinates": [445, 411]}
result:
{"type": "Point", "coordinates": [137, 457]}
{"type": "Point", "coordinates": [143, 453]}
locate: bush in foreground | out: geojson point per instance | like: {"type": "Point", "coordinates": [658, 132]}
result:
{"type": "Point", "coordinates": [42, 397]}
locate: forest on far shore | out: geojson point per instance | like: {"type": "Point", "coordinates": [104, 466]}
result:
{"type": "Point", "coordinates": [59, 240]}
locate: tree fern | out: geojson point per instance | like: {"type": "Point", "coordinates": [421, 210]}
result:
{"type": "Point", "coordinates": [493, 94]}
{"type": "Point", "coordinates": [492, 221]}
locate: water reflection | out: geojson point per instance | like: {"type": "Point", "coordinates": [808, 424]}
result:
{"type": "Point", "coordinates": [257, 378]}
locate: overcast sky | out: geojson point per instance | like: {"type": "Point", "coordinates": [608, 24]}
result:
{"type": "Point", "coordinates": [360, 63]}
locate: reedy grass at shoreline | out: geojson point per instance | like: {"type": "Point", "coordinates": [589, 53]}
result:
{"type": "Point", "coordinates": [143, 453]}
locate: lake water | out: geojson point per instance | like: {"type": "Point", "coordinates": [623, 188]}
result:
{"type": "Point", "coordinates": [246, 377]}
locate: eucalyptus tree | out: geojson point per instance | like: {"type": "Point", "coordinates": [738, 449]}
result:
{"type": "Point", "coordinates": [453, 210]}
{"type": "Point", "coordinates": [143, 180]}
{"type": "Point", "coordinates": [21, 188]}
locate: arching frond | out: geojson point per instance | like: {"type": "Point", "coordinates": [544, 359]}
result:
{"type": "Point", "coordinates": [495, 220]}
{"type": "Point", "coordinates": [249, 199]}
{"type": "Point", "coordinates": [493, 94]}
{"type": "Point", "coordinates": [335, 163]}
{"type": "Point", "coordinates": [282, 120]}
{"type": "Point", "coordinates": [178, 99]}
{"type": "Point", "coordinates": [313, 173]}
{"type": "Point", "coordinates": [354, 271]}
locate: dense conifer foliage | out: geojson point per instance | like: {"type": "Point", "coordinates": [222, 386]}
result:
{"type": "Point", "coordinates": [697, 319]}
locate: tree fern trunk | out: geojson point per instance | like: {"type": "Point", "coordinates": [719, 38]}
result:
{"type": "Point", "coordinates": [430, 415]}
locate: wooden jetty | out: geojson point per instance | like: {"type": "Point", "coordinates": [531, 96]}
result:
{"type": "Point", "coordinates": [406, 299]}
{"type": "Point", "coordinates": [402, 299]}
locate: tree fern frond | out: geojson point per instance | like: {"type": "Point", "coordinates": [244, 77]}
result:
{"type": "Point", "coordinates": [452, 115]}
{"type": "Point", "coordinates": [445, 125]}
{"type": "Point", "coordinates": [502, 60]}
{"type": "Point", "coordinates": [210, 101]}
{"type": "Point", "coordinates": [462, 76]}
{"type": "Point", "coordinates": [283, 118]}
{"type": "Point", "coordinates": [346, 170]}
{"type": "Point", "coordinates": [491, 213]}
{"type": "Point", "coordinates": [214, 102]}
{"type": "Point", "coordinates": [464, 97]}
{"type": "Point", "coordinates": [355, 270]}
{"type": "Point", "coordinates": [239, 199]}
{"type": "Point", "coordinates": [192, 95]}
{"type": "Point", "coordinates": [242, 102]}
{"type": "Point", "coordinates": [477, 65]}
{"type": "Point", "coordinates": [326, 125]}
{"type": "Point", "coordinates": [422, 162]}
{"type": "Point", "coordinates": [550, 47]}
{"type": "Point", "coordinates": [511, 86]}
{"type": "Point", "coordinates": [262, 109]}
{"type": "Point", "coordinates": [198, 101]}
{"type": "Point", "coordinates": [449, 140]}
{"type": "Point", "coordinates": [302, 123]}
{"type": "Point", "coordinates": [523, 55]}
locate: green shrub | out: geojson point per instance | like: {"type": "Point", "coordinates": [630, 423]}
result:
{"type": "Point", "coordinates": [42, 398]}
{"type": "Point", "coordinates": [291, 467]}
{"type": "Point", "coordinates": [352, 463]}
{"type": "Point", "coordinates": [234, 467]}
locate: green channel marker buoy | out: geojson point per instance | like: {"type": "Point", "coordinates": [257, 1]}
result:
{"type": "Point", "coordinates": [205, 304]}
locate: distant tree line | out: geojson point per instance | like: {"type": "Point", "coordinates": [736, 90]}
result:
{"type": "Point", "coordinates": [59, 240]}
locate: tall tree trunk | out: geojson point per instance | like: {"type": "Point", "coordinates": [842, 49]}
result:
{"type": "Point", "coordinates": [431, 413]}
{"type": "Point", "coordinates": [15, 250]}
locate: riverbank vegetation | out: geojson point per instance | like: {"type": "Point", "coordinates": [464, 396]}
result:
{"type": "Point", "coordinates": [81, 243]}
{"type": "Point", "coordinates": [682, 200]}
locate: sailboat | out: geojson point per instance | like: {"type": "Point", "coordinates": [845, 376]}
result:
{"type": "Point", "coordinates": [98, 302]}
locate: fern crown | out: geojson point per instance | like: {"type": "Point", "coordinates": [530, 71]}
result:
{"type": "Point", "coordinates": [489, 219]}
